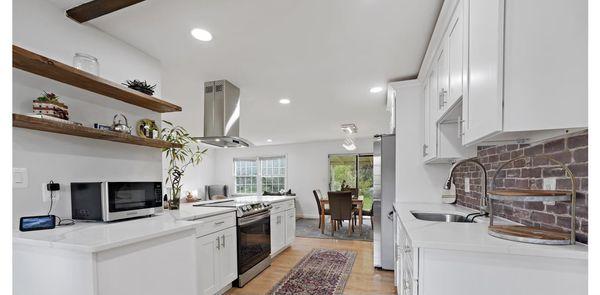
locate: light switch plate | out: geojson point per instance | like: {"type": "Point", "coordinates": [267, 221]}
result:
{"type": "Point", "coordinates": [20, 178]}
{"type": "Point", "coordinates": [467, 185]}
{"type": "Point", "coordinates": [46, 194]}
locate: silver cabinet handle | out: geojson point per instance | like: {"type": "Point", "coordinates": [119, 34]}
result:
{"type": "Point", "coordinates": [223, 241]}
{"type": "Point", "coordinates": [218, 244]}
{"type": "Point", "coordinates": [278, 219]}
{"type": "Point", "coordinates": [219, 222]}
{"type": "Point", "coordinates": [425, 153]}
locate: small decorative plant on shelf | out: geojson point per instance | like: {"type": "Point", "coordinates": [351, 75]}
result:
{"type": "Point", "coordinates": [48, 104]}
{"type": "Point", "coordinates": [140, 86]}
{"type": "Point", "coordinates": [179, 159]}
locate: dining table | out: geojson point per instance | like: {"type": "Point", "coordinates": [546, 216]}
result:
{"type": "Point", "coordinates": [355, 201]}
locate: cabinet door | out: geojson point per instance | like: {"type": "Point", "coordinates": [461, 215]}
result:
{"type": "Point", "coordinates": [432, 150]}
{"type": "Point", "coordinates": [484, 102]}
{"type": "Point", "coordinates": [290, 226]}
{"type": "Point", "coordinates": [227, 258]}
{"type": "Point", "coordinates": [455, 54]}
{"type": "Point", "coordinates": [277, 231]}
{"type": "Point", "coordinates": [426, 118]}
{"type": "Point", "coordinates": [443, 76]}
{"type": "Point", "coordinates": [208, 248]}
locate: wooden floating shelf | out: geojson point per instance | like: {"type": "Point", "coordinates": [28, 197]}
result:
{"type": "Point", "coordinates": [530, 195]}
{"type": "Point", "coordinates": [529, 234]}
{"type": "Point", "coordinates": [40, 65]}
{"type": "Point", "coordinates": [33, 123]}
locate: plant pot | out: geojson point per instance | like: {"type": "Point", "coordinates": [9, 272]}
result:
{"type": "Point", "coordinates": [174, 202]}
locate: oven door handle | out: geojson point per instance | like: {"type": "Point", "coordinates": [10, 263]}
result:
{"type": "Point", "coordinates": [253, 218]}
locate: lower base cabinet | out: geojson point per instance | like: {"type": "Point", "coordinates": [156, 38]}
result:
{"type": "Point", "coordinates": [217, 260]}
{"type": "Point", "coordinates": [430, 271]}
{"type": "Point", "coordinates": [283, 226]}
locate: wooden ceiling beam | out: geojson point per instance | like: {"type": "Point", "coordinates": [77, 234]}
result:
{"type": "Point", "coordinates": [97, 8]}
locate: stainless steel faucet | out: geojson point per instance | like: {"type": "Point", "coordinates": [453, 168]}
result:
{"type": "Point", "coordinates": [483, 203]}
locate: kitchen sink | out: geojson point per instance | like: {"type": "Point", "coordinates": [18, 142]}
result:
{"type": "Point", "coordinates": [441, 217]}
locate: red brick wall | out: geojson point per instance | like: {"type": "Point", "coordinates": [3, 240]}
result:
{"type": "Point", "coordinates": [571, 150]}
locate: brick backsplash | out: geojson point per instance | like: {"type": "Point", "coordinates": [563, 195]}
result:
{"type": "Point", "coordinates": [571, 150]}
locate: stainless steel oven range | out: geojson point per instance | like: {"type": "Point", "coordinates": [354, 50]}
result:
{"type": "Point", "coordinates": [253, 237]}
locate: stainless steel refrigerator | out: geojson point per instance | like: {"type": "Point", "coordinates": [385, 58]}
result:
{"type": "Point", "coordinates": [384, 191]}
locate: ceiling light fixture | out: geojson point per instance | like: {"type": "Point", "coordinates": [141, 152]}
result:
{"type": "Point", "coordinates": [285, 101]}
{"type": "Point", "coordinates": [376, 89]}
{"type": "Point", "coordinates": [349, 128]}
{"type": "Point", "coordinates": [269, 140]}
{"type": "Point", "coordinates": [202, 35]}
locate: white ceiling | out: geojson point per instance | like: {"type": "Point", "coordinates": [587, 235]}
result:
{"type": "Point", "coordinates": [323, 54]}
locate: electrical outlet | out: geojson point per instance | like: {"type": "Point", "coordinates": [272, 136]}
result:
{"type": "Point", "coordinates": [550, 184]}
{"type": "Point", "coordinates": [46, 193]}
{"type": "Point", "coordinates": [20, 178]}
{"type": "Point", "coordinates": [467, 185]}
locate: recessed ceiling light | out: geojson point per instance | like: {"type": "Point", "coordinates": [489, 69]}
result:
{"type": "Point", "coordinates": [284, 101]}
{"type": "Point", "coordinates": [202, 35]}
{"type": "Point", "coordinates": [269, 140]}
{"type": "Point", "coordinates": [376, 89]}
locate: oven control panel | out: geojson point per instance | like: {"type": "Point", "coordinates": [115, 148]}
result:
{"type": "Point", "coordinates": [252, 208]}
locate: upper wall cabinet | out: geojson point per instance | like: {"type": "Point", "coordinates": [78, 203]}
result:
{"type": "Point", "coordinates": [516, 68]}
{"type": "Point", "coordinates": [527, 75]}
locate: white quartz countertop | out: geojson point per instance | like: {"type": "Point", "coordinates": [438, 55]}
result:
{"type": "Point", "coordinates": [97, 236]}
{"type": "Point", "coordinates": [471, 236]}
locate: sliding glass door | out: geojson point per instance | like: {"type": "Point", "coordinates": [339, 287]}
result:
{"type": "Point", "coordinates": [353, 171]}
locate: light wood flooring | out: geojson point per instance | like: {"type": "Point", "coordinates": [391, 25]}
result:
{"type": "Point", "coordinates": [364, 279]}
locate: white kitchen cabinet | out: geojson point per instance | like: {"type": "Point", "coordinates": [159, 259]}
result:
{"type": "Point", "coordinates": [217, 260]}
{"type": "Point", "coordinates": [527, 75]}
{"type": "Point", "coordinates": [283, 226]}
{"type": "Point", "coordinates": [430, 113]}
{"type": "Point", "coordinates": [290, 225]}
{"type": "Point", "coordinates": [149, 266]}
{"type": "Point", "coordinates": [432, 271]}
{"type": "Point", "coordinates": [443, 80]}
{"type": "Point", "coordinates": [518, 75]}
{"type": "Point", "coordinates": [456, 54]}
{"type": "Point", "coordinates": [277, 232]}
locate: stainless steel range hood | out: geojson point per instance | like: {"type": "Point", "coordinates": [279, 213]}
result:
{"type": "Point", "coordinates": [222, 115]}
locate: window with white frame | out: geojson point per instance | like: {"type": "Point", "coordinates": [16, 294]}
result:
{"type": "Point", "coordinates": [245, 176]}
{"type": "Point", "coordinates": [259, 174]}
{"type": "Point", "coordinates": [272, 174]}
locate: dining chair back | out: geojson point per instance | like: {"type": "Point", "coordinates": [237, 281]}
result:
{"type": "Point", "coordinates": [340, 205]}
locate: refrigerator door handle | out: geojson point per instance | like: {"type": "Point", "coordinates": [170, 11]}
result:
{"type": "Point", "coordinates": [390, 216]}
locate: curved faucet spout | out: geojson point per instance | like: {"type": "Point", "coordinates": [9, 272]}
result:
{"type": "Point", "coordinates": [483, 204]}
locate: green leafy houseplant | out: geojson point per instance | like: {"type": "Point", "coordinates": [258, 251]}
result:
{"type": "Point", "coordinates": [180, 158]}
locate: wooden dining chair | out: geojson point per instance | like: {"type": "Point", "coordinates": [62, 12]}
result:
{"type": "Point", "coordinates": [340, 206]}
{"type": "Point", "coordinates": [318, 197]}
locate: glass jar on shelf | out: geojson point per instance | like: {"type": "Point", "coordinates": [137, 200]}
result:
{"type": "Point", "coordinates": [87, 63]}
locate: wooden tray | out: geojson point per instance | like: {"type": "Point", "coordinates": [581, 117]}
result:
{"type": "Point", "coordinates": [529, 234]}
{"type": "Point", "coordinates": [530, 195]}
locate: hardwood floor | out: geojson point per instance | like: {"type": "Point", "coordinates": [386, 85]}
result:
{"type": "Point", "coordinates": [364, 279]}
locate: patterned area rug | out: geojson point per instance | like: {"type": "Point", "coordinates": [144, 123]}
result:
{"type": "Point", "coordinates": [322, 272]}
{"type": "Point", "coordinates": [309, 228]}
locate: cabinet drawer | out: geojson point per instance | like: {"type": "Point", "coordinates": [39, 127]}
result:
{"type": "Point", "coordinates": [282, 206]}
{"type": "Point", "coordinates": [213, 224]}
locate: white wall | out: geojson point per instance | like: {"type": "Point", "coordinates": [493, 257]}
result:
{"type": "Point", "coordinates": [307, 167]}
{"type": "Point", "coordinates": [415, 181]}
{"type": "Point", "coordinates": [187, 91]}
{"type": "Point", "coordinates": [40, 27]}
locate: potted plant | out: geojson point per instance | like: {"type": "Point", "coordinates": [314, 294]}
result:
{"type": "Point", "coordinates": [180, 158]}
{"type": "Point", "coordinates": [140, 86]}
